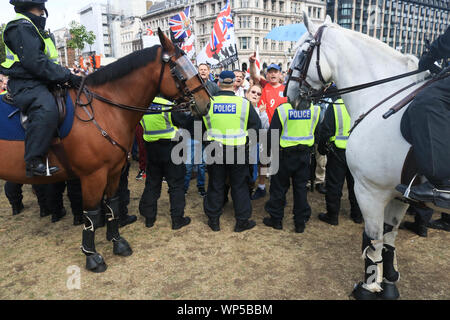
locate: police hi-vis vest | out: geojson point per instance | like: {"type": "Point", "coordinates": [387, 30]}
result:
{"type": "Point", "coordinates": [50, 49]}
{"type": "Point", "coordinates": [158, 126]}
{"type": "Point", "coordinates": [298, 125]}
{"type": "Point", "coordinates": [226, 121]}
{"type": "Point", "coordinates": [342, 120]}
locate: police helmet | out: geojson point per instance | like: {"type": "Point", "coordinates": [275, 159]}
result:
{"type": "Point", "coordinates": [21, 2]}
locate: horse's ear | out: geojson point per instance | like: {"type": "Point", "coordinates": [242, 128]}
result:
{"type": "Point", "coordinates": [165, 42]}
{"type": "Point", "coordinates": [328, 21]}
{"type": "Point", "coordinates": [309, 24]}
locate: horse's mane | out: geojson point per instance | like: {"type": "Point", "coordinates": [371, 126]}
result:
{"type": "Point", "coordinates": [123, 66]}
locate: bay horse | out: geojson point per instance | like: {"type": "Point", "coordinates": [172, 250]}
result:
{"type": "Point", "coordinates": [376, 149]}
{"type": "Point", "coordinates": [102, 134]}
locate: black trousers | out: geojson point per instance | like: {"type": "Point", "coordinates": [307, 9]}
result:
{"type": "Point", "coordinates": [160, 165]}
{"type": "Point", "coordinates": [55, 192]}
{"type": "Point", "coordinates": [336, 173]}
{"type": "Point", "coordinates": [295, 166]}
{"type": "Point", "coordinates": [239, 176]}
{"type": "Point", "coordinates": [40, 107]}
{"type": "Point", "coordinates": [50, 196]}
{"type": "Point", "coordinates": [123, 192]}
{"type": "Point", "coordinates": [13, 192]}
{"type": "Point", "coordinates": [426, 126]}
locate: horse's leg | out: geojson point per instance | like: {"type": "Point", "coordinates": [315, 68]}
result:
{"type": "Point", "coordinates": [393, 215]}
{"type": "Point", "coordinates": [93, 187]}
{"type": "Point", "coordinates": [372, 203]}
{"type": "Point", "coordinates": [120, 245]}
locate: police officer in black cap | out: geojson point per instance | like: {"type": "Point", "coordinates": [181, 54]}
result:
{"type": "Point", "coordinates": [31, 64]}
{"type": "Point", "coordinates": [426, 126]}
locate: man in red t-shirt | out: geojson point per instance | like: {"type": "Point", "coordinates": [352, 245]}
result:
{"type": "Point", "coordinates": [272, 93]}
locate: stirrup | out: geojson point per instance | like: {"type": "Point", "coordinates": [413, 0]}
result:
{"type": "Point", "coordinates": [408, 190]}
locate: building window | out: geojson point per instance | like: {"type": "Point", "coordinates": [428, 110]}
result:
{"type": "Point", "coordinates": [244, 22]}
{"type": "Point", "coordinates": [265, 44]}
{"type": "Point", "coordinates": [281, 6]}
{"type": "Point", "coordinates": [274, 23]}
{"type": "Point", "coordinates": [244, 43]}
{"type": "Point", "coordinates": [266, 24]}
{"type": "Point", "coordinates": [244, 3]}
{"type": "Point", "coordinates": [256, 22]}
{"type": "Point", "coordinates": [203, 9]}
{"type": "Point", "coordinates": [273, 45]}
{"type": "Point", "coordinates": [274, 5]}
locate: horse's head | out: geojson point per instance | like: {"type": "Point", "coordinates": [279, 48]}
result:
{"type": "Point", "coordinates": [309, 70]}
{"type": "Point", "coordinates": [185, 86]}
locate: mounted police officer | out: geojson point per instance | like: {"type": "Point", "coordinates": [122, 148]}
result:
{"type": "Point", "coordinates": [31, 64]}
{"type": "Point", "coordinates": [333, 136]}
{"type": "Point", "coordinates": [425, 125]}
{"type": "Point", "coordinates": [296, 128]}
{"type": "Point", "coordinates": [227, 124]}
{"type": "Point", "coordinates": [159, 130]}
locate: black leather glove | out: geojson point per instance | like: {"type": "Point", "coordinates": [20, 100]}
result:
{"type": "Point", "coordinates": [426, 62]}
{"type": "Point", "coordinates": [75, 81]}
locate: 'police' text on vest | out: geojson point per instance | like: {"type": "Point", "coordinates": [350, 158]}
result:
{"type": "Point", "coordinates": [229, 108]}
{"type": "Point", "coordinates": [300, 114]}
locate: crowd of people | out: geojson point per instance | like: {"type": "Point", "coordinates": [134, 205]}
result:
{"type": "Point", "coordinates": [241, 103]}
{"type": "Point", "coordinates": [263, 91]}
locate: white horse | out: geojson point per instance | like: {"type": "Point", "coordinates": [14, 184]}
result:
{"type": "Point", "coordinates": [376, 149]}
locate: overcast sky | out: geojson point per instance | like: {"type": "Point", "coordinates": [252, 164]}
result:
{"type": "Point", "coordinates": [61, 12]}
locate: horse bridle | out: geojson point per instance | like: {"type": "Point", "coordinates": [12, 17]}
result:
{"type": "Point", "coordinates": [186, 99]}
{"type": "Point", "coordinates": [183, 103]}
{"type": "Point", "coordinates": [303, 66]}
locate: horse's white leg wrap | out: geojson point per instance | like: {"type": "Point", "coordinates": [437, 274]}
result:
{"type": "Point", "coordinates": [372, 255]}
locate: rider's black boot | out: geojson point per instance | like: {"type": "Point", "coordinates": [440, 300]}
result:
{"type": "Point", "coordinates": [438, 193]}
{"type": "Point", "coordinates": [38, 168]}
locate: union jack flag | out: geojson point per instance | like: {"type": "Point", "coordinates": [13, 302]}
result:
{"type": "Point", "coordinates": [180, 24]}
{"type": "Point", "coordinates": [220, 30]}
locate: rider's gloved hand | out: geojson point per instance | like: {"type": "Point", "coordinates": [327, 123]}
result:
{"type": "Point", "coordinates": [75, 81]}
{"type": "Point", "coordinates": [426, 62]}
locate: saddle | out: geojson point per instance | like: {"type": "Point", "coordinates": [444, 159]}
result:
{"type": "Point", "coordinates": [60, 95]}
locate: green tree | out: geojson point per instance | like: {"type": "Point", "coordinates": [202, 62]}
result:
{"type": "Point", "coordinates": [2, 44]}
{"type": "Point", "coordinates": [80, 36]}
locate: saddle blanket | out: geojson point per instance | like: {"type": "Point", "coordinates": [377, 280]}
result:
{"type": "Point", "coordinates": [11, 129]}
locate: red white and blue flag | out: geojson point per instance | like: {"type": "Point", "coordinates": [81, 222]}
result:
{"type": "Point", "coordinates": [180, 25]}
{"type": "Point", "coordinates": [220, 50]}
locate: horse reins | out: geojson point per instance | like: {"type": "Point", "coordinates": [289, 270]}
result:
{"type": "Point", "coordinates": [318, 95]}
{"type": "Point", "coordinates": [180, 83]}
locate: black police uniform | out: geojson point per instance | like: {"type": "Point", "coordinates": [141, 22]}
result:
{"type": "Point", "coordinates": [28, 85]}
{"type": "Point", "coordinates": [159, 166]}
{"type": "Point", "coordinates": [336, 173]}
{"type": "Point", "coordinates": [239, 177]}
{"type": "Point", "coordinates": [294, 164]}
{"type": "Point", "coordinates": [123, 193]}
{"type": "Point", "coordinates": [13, 192]}
{"type": "Point", "coordinates": [425, 125]}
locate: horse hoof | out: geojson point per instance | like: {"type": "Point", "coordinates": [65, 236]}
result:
{"type": "Point", "coordinates": [360, 293]}
{"type": "Point", "coordinates": [95, 263]}
{"type": "Point", "coordinates": [122, 248]}
{"type": "Point", "coordinates": [390, 291]}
